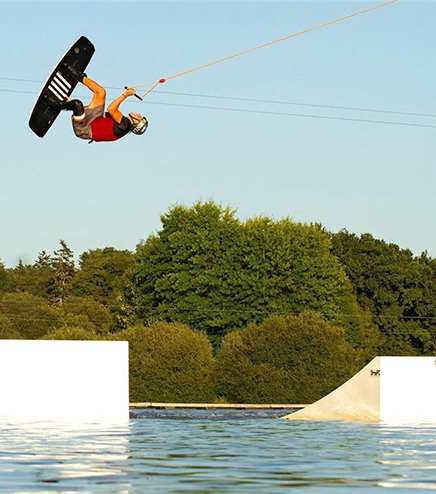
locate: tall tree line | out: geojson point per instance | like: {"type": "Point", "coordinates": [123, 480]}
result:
{"type": "Point", "coordinates": [209, 270]}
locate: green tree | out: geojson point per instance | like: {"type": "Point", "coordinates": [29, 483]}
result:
{"type": "Point", "coordinates": [101, 275]}
{"type": "Point", "coordinates": [292, 359]}
{"type": "Point", "coordinates": [177, 273]}
{"type": "Point", "coordinates": [398, 289]}
{"type": "Point", "coordinates": [64, 269]}
{"type": "Point", "coordinates": [207, 269]}
{"type": "Point", "coordinates": [21, 278]}
{"type": "Point", "coordinates": [169, 362]}
{"type": "Point", "coordinates": [3, 278]}
{"type": "Point", "coordinates": [36, 279]}
{"type": "Point", "coordinates": [360, 330]}
{"type": "Point", "coordinates": [44, 274]}
{"type": "Point", "coordinates": [87, 313]}
{"type": "Point", "coordinates": [30, 316]}
{"type": "Point", "coordinates": [44, 260]}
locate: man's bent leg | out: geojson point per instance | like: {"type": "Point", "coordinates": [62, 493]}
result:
{"type": "Point", "coordinates": [99, 97]}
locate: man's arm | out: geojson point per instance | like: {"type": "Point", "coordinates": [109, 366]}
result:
{"type": "Point", "coordinates": [113, 108]}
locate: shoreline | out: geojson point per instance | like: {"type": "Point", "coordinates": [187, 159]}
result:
{"type": "Point", "coordinates": [225, 406]}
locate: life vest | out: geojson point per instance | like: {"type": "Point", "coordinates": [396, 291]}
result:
{"type": "Point", "coordinates": [103, 129]}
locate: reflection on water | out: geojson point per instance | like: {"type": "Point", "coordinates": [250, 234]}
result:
{"type": "Point", "coordinates": [215, 452]}
{"type": "Point", "coordinates": [61, 457]}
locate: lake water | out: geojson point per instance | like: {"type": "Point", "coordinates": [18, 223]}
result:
{"type": "Point", "coordinates": [173, 451]}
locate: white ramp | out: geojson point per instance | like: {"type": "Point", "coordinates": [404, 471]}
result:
{"type": "Point", "coordinates": [64, 380]}
{"type": "Point", "coordinates": [388, 390]}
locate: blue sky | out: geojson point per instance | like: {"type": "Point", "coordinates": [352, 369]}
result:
{"type": "Point", "coordinates": [365, 177]}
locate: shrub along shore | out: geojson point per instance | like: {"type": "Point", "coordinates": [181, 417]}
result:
{"type": "Point", "coordinates": [220, 310]}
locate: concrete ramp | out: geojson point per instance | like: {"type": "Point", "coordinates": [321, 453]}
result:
{"type": "Point", "coordinates": [388, 390]}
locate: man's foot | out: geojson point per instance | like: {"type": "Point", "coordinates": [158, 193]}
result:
{"type": "Point", "coordinates": [73, 73]}
{"type": "Point", "coordinates": [74, 105]}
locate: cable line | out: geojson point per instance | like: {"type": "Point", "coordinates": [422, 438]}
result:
{"type": "Point", "coordinates": [310, 105]}
{"type": "Point", "coordinates": [250, 100]}
{"type": "Point", "coordinates": [265, 112]}
{"type": "Point", "coordinates": [281, 313]}
{"type": "Point", "coordinates": [13, 79]}
{"type": "Point", "coordinates": [30, 304]}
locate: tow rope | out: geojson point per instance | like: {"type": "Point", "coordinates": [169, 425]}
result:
{"type": "Point", "coordinates": [263, 45]}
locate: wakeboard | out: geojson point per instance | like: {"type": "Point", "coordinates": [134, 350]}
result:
{"type": "Point", "coordinates": [59, 86]}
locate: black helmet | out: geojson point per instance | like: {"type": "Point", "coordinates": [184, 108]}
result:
{"type": "Point", "coordinates": [140, 127]}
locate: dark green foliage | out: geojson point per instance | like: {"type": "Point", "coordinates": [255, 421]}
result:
{"type": "Point", "coordinates": [3, 278]}
{"type": "Point", "coordinates": [207, 269]}
{"type": "Point", "coordinates": [64, 269]}
{"type": "Point", "coordinates": [31, 317]}
{"type": "Point", "coordinates": [180, 274]}
{"type": "Point", "coordinates": [45, 275]}
{"type": "Point", "coordinates": [292, 359]}
{"type": "Point", "coordinates": [7, 332]}
{"type": "Point", "coordinates": [169, 363]}
{"type": "Point", "coordinates": [360, 330]}
{"type": "Point", "coordinates": [241, 281]}
{"type": "Point", "coordinates": [30, 279]}
{"type": "Point", "coordinates": [44, 260]}
{"type": "Point", "coordinates": [37, 279]}
{"type": "Point", "coordinates": [101, 274]}
{"type": "Point", "coordinates": [398, 289]}
{"type": "Point", "coordinates": [85, 312]}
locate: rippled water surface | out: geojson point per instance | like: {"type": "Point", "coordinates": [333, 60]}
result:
{"type": "Point", "coordinates": [216, 452]}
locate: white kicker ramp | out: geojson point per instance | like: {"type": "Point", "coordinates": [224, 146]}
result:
{"type": "Point", "coordinates": [389, 390]}
{"type": "Point", "coordinates": [64, 380]}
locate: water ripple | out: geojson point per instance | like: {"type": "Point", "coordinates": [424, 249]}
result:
{"type": "Point", "coordinates": [173, 451]}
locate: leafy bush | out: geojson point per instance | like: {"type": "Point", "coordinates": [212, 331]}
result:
{"type": "Point", "coordinates": [87, 313]}
{"type": "Point", "coordinates": [72, 333]}
{"type": "Point", "coordinates": [291, 359]}
{"type": "Point", "coordinates": [30, 316]}
{"type": "Point", "coordinates": [7, 332]}
{"type": "Point", "coordinates": [169, 362]}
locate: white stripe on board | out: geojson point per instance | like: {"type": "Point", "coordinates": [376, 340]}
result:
{"type": "Point", "coordinates": [59, 88]}
{"type": "Point", "coordinates": [61, 77]}
{"type": "Point", "coordinates": [56, 93]}
{"type": "Point", "coordinates": [60, 83]}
